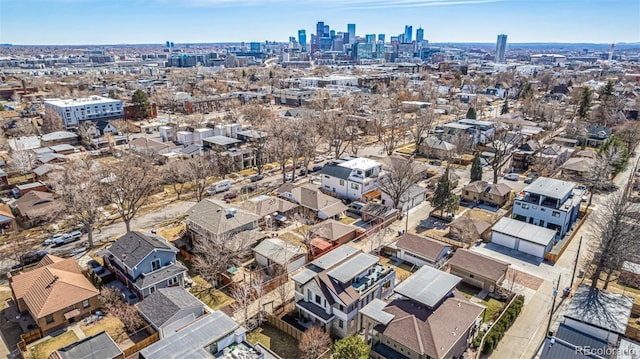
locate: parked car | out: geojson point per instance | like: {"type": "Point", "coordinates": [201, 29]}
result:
{"type": "Point", "coordinates": [512, 177]}
{"type": "Point", "coordinates": [68, 238]}
{"type": "Point", "coordinates": [30, 258]}
{"type": "Point", "coordinates": [248, 189]}
{"type": "Point", "coordinates": [435, 163]}
{"type": "Point", "coordinates": [303, 172]}
{"type": "Point", "coordinates": [299, 164]}
{"type": "Point", "coordinates": [318, 159]}
{"type": "Point", "coordinates": [530, 179]}
{"type": "Point", "coordinates": [355, 207]}
{"type": "Point", "coordinates": [53, 238]}
{"type": "Point", "coordinates": [331, 156]}
{"type": "Point", "coordinates": [315, 168]}
{"type": "Point", "coordinates": [256, 178]}
{"type": "Point", "coordinates": [230, 195]}
{"type": "Point", "coordinates": [288, 177]}
{"type": "Point", "coordinates": [219, 187]}
{"type": "Point", "coordinates": [96, 267]}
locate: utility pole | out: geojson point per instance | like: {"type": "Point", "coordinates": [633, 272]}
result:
{"type": "Point", "coordinates": [575, 265]}
{"type": "Point", "coordinates": [553, 304]}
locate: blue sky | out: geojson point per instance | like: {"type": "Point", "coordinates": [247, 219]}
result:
{"type": "Point", "coordinates": [189, 21]}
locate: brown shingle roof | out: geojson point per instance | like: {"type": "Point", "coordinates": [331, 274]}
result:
{"type": "Point", "coordinates": [37, 203]}
{"type": "Point", "coordinates": [476, 186]}
{"type": "Point", "coordinates": [426, 247]}
{"type": "Point", "coordinates": [331, 229]}
{"type": "Point", "coordinates": [52, 287]}
{"type": "Point", "coordinates": [500, 189]}
{"type": "Point", "coordinates": [430, 332]}
{"type": "Point", "coordinates": [479, 264]}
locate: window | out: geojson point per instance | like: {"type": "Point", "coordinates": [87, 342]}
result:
{"type": "Point", "coordinates": [309, 295]}
{"type": "Point", "coordinates": [342, 182]}
{"type": "Point", "coordinates": [525, 206]}
{"type": "Point", "coordinates": [152, 289]}
{"type": "Point", "coordinates": [155, 264]}
{"type": "Point", "coordinates": [341, 308]}
{"type": "Point", "coordinates": [386, 285]}
{"type": "Point", "coordinates": [340, 323]}
{"type": "Point", "coordinates": [470, 275]}
{"type": "Point", "coordinates": [354, 186]}
{"type": "Point", "coordinates": [555, 214]}
{"type": "Point", "coordinates": [318, 300]}
{"type": "Point", "coordinates": [49, 318]}
{"type": "Point", "coordinates": [466, 193]}
{"type": "Point", "coordinates": [85, 304]}
{"type": "Point", "coordinates": [172, 281]}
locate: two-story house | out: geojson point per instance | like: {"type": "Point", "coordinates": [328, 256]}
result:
{"type": "Point", "coordinates": [548, 203]}
{"type": "Point", "coordinates": [144, 263]}
{"type": "Point", "coordinates": [333, 289]}
{"type": "Point", "coordinates": [426, 319]}
{"type": "Point", "coordinates": [210, 219]}
{"type": "Point", "coordinates": [350, 177]}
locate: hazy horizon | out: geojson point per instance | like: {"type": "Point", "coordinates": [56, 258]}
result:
{"type": "Point", "coordinates": [123, 22]}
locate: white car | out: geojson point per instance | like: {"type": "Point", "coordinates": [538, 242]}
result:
{"type": "Point", "coordinates": [288, 177]}
{"type": "Point", "coordinates": [331, 156]}
{"type": "Point", "coordinates": [318, 159]}
{"type": "Point", "coordinates": [54, 238]}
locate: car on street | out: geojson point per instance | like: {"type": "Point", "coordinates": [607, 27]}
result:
{"type": "Point", "coordinates": [315, 168]}
{"type": "Point", "coordinates": [53, 239]}
{"type": "Point", "coordinates": [96, 267]}
{"type": "Point", "coordinates": [68, 238]}
{"type": "Point", "coordinates": [256, 178]}
{"type": "Point", "coordinates": [303, 172]}
{"type": "Point", "coordinates": [530, 179]}
{"type": "Point", "coordinates": [318, 159]}
{"type": "Point", "coordinates": [248, 188]}
{"type": "Point", "coordinates": [288, 177]}
{"type": "Point", "coordinates": [331, 156]}
{"type": "Point", "coordinates": [230, 195]}
{"type": "Point", "coordinates": [30, 258]}
{"type": "Point", "coordinates": [512, 177]}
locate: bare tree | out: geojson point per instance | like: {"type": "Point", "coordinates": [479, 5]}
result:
{"type": "Point", "coordinates": [175, 174]}
{"type": "Point", "coordinates": [314, 342]}
{"type": "Point", "coordinates": [278, 145]}
{"type": "Point", "coordinates": [629, 132]}
{"type": "Point", "coordinates": [420, 125]}
{"type": "Point", "coordinates": [397, 179]}
{"type": "Point", "coordinates": [598, 176]}
{"type": "Point", "coordinates": [214, 255]}
{"type": "Point", "coordinates": [336, 132]}
{"type": "Point", "coordinates": [22, 159]}
{"type": "Point", "coordinates": [617, 237]}
{"type": "Point", "coordinates": [86, 133]}
{"type": "Point", "coordinates": [111, 299]}
{"type": "Point", "coordinates": [198, 171]}
{"type": "Point", "coordinates": [128, 184]}
{"type": "Point", "coordinates": [257, 284]}
{"type": "Point", "coordinates": [16, 248]}
{"type": "Point", "coordinates": [243, 297]}
{"type": "Point", "coordinates": [395, 130]}
{"type": "Point", "coordinates": [52, 121]}
{"type": "Point", "coordinates": [79, 186]}
{"type": "Point", "coordinates": [501, 145]}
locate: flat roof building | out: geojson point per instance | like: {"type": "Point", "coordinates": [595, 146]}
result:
{"type": "Point", "coordinates": [74, 111]}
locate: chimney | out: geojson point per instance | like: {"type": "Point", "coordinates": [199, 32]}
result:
{"type": "Point", "coordinates": [124, 256]}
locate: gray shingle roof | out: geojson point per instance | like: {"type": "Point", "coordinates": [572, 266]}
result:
{"type": "Point", "coordinates": [160, 306]}
{"type": "Point", "coordinates": [278, 250]}
{"type": "Point", "coordinates": [133, 246]}
{"type": "Point", "coordinates": [333, 170]}
{"type": "Point", "coordinates": [428, 286]}
{"type": "Point", "coordinates": [211, 216]}
{"type": "Point", "coordinates": [88, 347]}
{"type": "Point", "coordinates": [160, 275]}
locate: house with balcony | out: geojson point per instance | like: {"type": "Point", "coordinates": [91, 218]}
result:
{"type": "Point", "coordinates": [548, 203]}
{"type": "Point", "coordinates": [332, 290]}
{"type": "Point", "coordinates": [350, 177]}
{"type": "Point", "coordinates": [426, 318]}
{"type": "Point", "coordinates": [144, 262]}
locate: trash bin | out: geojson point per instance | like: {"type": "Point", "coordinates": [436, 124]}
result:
{"type": "Point", "coordinates": [566, 292]}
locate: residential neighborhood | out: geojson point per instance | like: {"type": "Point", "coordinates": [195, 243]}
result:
{"type": "Point", "coordinates": [362, 198]}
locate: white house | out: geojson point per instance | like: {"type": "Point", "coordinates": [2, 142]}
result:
{"type": "Point", "coordinates": [548, 203]}
{"type": "Point", "coordinates": [350, 177]}
{"type": "Point", "coordinates": [523, 237]}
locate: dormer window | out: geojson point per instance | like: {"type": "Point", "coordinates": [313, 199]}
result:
{"type": "Point", "coordinates": [155, 264]}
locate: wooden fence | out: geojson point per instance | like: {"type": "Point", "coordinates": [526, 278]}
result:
{"type": "Point", "coordinates": [142, 344]}
{"type": "Point", "coordinates": [27, 338]}
{"type": "Point", "coordinates": [284, 326]}
{"type": "Point", "coordinates": [553, 257]}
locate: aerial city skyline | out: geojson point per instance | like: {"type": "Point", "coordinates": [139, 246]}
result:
{"type": "Point", "coordinates": [209, 21]}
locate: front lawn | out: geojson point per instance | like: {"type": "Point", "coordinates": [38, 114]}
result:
{"type": "Point", "coordinates": [208, 295]}
{"type": "Point", "coordinates": [278, 341]}
{"type": "Point", "coordinates": [110, 324]}
{"type": "Point", "coordinates": [45, 348]}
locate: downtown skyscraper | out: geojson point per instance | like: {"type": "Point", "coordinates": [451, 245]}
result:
{"type": "Point", "coordinates": [408, 33]}
{"type": "Point", "coordinates": [351, 30]}
{"type": "Point", "coordinates": [501, 49]}
{"type": "Point", "coordinates": [302, 40]}
{"type": "Point", "coordinates": [419, 35]}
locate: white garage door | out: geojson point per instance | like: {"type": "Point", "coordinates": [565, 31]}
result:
{"type": "Point", "coordinates": [531, 248]}
{"type": "Point", "coordinates": [503, 240]}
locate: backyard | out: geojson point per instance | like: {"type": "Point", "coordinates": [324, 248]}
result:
{"type": "Point", "coordinates": [10, 330]}
{"type": "Point", "coordinates": [210, 296]}
{"type": "Point", "coordinates": [493, 305]}
{"type": "Point", "coordinates": [43, 349]}
{"type": "Point", "coordinates": [403, 270]}
{"type": "Point", "coordinates": [112, 325]}
{"type": "Point", "coordinates": [278, 341]}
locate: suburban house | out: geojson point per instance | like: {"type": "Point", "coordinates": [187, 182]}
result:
{"type": "Point", "coordinates": [485, 192]}
{"type": "Point", "coordinates": [209, 219]}
{"type": "Point", "coordinates": [601, 314]}
{"type": "Point", "coordinates": [376, 213]}
{"type": "Point", "coordinates": [146, 146]}
{"type": "Point", "coordinates": [331, 291]}
{"type": "Point", "coordinates": [313, 203]}
{"type": "Point", "coordinates": [334, 232]}
{"type": "Point", "coordinates": [548, 203]}
{"type": "Point", "coordinates": [595, 135]}
{"type": "Point", "coordinates": [277, 256]}
{"type": "Point", "coordinates": [578, 167]}
{"type": "Point", "coordinates": [54, 294]}
{"type": "Point", "coordinates": [270, 209]}
{"type": "Point", "coordinates": [36, 206]}
{"type": "Point", "coordinates": [467, 230]}
{"type": "Point", "coordinates": [7, 219]}
{"type": "Point", "coordinates": [350, 177]}
{"type": "Point", "coordinates": [426, 319]}
{"type": "Point", "coordinates": [434, 147]}
{"type": "Point", "coordinates": [215, 335]}
{"type": "Point", "coordinates": [101, 128]}
{"type": "Point", "coordinates": [88, 347]}
{"type": "Point", "coordinates": [523, 237]}
{"type": "Point", "coordinates": [422, 251]}
{"type": "Point", "coordinates": [478, 270]}
{"type": "Point", "coordinates": [412, 197]}
{"type": "Point", "coordinates": [169, 309]}
{"type": "Point", "coordinates": [58, 138]}
{"type": "Point", "coordinates": [144, 263]}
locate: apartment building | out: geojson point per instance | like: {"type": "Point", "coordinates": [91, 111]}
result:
{"type": "Point", "coordinates": [74, 111]}
{"type": "Point", "coordinates": [350, 177]}
{"type": "Point", "coordinates": [333, 289]}
{"type": "Point", "coordinates": [548, 203]}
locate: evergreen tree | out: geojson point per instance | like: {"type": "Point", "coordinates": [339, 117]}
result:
{"type": "Point", "coordinates": [442, 192]}
{"type": "Point", "coordinates": [505, 107]}
{"type": "Point", "coordinates": [141, 103]}
{"type": "Point", "coordinates": [352, 347]}
{"type": "Point", "coordinates": [471, 113]}
{"type": "Point", "coordinates": [585, 102]}
{"type": "Point", "coordinates": [476, 168]}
